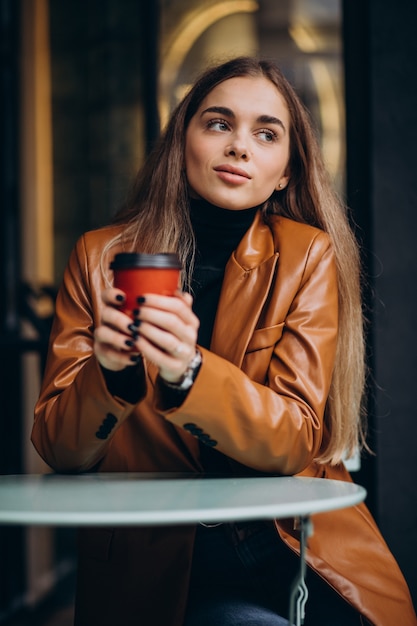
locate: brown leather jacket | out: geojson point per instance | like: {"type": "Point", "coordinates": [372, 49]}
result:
{"type": "Point", "coordinates": [260, 394]}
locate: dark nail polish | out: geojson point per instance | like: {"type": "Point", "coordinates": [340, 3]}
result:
{"type": "Point", "coordinates": [129, 343]}
{"type": "Point", "coordinates": [136, 312]}
{"type": "Point", "coordinates": [141, 300]}
{"type": "Point", "coordinates": [135, 358]}
{"type": "Point", "coordinates": [120, 298]}
{"type": "Point", "coordinates": [133, 327]}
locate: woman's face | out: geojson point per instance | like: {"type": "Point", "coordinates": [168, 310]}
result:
{"type": "Point", "coordinates": [237, 144]}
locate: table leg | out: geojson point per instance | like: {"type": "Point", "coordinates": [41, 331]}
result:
{"type": "Point", "coordinates": [299, 591]}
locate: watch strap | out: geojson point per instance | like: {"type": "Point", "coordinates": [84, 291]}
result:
{"type": "Point", "coordinates": [189, 375]}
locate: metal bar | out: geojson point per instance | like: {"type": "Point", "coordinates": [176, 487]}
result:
{"type": "Point", "coordinates": [299, 590]}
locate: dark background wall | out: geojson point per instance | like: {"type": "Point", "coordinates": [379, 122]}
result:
{"type": "Point", "coordinates": [394, 219]}
{"type": "Point", "coordinates": [103, 62]}
{"type": "Point", "coordinates": [11, 539]}
{"type": "Point", "coordinates": [381, 89]}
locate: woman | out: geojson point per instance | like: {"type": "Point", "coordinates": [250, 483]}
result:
{"type": "Point", "coordinates": [259, 370]}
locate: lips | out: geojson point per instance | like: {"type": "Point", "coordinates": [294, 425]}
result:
{"type": "Point", "coordinates": [234, 171]}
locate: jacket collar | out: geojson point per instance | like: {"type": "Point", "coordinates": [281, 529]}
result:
{"type": "Point", "coordinates": [247, 281]}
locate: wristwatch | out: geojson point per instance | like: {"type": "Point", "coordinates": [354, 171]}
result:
{"type": "Point", "coordinates": [189, 375]}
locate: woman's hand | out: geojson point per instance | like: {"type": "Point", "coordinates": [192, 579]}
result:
{"type": "Point", "coordinates": [164, 332]}
{"type": "Point", "coordinates": [114, 338]}
{"type": "Point", "coordinates": [167, 333]}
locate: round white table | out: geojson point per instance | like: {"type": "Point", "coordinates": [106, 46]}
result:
{"type": "Point", "coordinates": [148, 499]}
{"type": "Point", "coordinates": [159, 499]}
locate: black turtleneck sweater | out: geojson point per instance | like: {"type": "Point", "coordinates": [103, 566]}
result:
{"type": "Point", "coordinates": [217, 232]}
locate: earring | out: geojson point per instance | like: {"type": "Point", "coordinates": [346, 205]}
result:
{"type": "Point", "coordinates": [280, 186]}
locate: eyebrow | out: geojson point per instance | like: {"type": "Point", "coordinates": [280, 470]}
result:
{"type": "Point", "coordinates": [261, 119]}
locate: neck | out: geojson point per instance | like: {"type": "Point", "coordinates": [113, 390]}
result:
{"type": "Point", "coordinates": [218, 231]}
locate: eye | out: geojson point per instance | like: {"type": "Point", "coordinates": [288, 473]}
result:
{"type": "Point", "coordinates": [269, 136]}
{"type": "Point", "coordinates": [218, 125]}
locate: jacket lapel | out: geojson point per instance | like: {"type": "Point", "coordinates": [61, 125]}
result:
{"type": "Point", "coordinates": [247, 280]}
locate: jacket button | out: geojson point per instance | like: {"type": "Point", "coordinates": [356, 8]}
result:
{"type": "Point", "coordinates": [204, 438]}
{"type": "Point", "coordinates": [193, 428]}
{"type": "Point", "coordinates": [107, 426]}
{"type": "Point", "coordinates": [210, 442]}
{"type": "Point", "coordinates": [200, 434]}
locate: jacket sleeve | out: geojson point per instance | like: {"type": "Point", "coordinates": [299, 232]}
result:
{"type": "Point", "coordinates": [76, 414]}
{"type": "Point", "coordinates": [269, 413]}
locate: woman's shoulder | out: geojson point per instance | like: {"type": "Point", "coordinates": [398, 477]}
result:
{"type": "Point", "coordinates": [92, 243]}
{"type": "Point", "coordinates": [95, 248]}
{"type": "Point", "coordinates": [99, 237]}
{"type": "Point", "coordinates": [292, 234]}
{"type": "Point", "coordinates": [284, 225]}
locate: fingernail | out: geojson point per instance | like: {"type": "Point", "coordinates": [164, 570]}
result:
{"type": "Point", "coordinates": [133, 327]}
{"type": "Point", "coordinates": [141, 300]}
{"type": "Point", "coordinates": [135, 358]}
{"type": "Point", "coordinates": [136, 312]}
{"type": "Point", "coordinates": [119, 297]}
{"type": "Point", "coordinates": [129, 343]}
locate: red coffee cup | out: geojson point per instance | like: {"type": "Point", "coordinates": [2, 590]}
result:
{"type": "Point", "coordinates": [136, 274]}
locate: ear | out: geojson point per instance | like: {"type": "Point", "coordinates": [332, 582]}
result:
{"type": "Point", "coordinates": [283, 182]}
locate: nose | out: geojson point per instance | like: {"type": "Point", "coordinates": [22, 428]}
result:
{"type": "Point", "coordinates": [237, 148]}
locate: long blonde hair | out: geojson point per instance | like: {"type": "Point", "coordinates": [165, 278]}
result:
{"type": "Point", "coordinates": [157, 210]}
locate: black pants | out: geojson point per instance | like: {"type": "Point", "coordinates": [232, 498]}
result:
{"type": "Point", "coordinates": [236, 582]}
